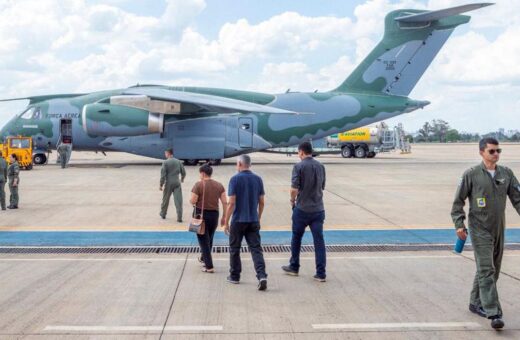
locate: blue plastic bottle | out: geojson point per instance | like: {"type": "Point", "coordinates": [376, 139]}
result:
{"type": "Point", "coordinates": [459, 245]}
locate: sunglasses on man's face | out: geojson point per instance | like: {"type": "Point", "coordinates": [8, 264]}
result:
{"type": "Point", "coordinates": [492, 151]}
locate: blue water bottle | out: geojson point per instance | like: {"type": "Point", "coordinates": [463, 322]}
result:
{"type": "Point", "coordinates": [459, 245]}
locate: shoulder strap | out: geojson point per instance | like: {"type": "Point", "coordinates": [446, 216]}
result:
{"type": "Point", "coordinates": [203, 194]}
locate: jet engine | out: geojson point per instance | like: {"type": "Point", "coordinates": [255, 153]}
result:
{"type": "Point", "coordinates": [111, 119]}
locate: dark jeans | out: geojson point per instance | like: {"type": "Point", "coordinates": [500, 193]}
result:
{"type": "Point", "coordinates": [251, 231]}
{"type": "Point", "coordinates": [206, 241]}
{"type": "Point", "coordinates": [300, 221]}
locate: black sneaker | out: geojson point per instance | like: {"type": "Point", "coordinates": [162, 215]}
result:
{"type": "Point", "coordinates": [477, 310]}
{"type": "Point", "coordinates": [179, 220]}
{"type": "Point", "coordinates": [497, 322]}
{"type": "Point", "coordinates": [262, 284]}
{"type": "Point", "coordinates": [289, 271]}
{"type": "Point", "coordinates": [231, 280]}
{"type": "Point", "coordinates": [12, 207]}
{"type": "Point", "coordinates": [319, 278]}
{"type": "Point", "coordinates": [162, 216]}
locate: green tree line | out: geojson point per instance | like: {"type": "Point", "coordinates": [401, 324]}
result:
{"type": "Point", "coordinates": [439, 131]}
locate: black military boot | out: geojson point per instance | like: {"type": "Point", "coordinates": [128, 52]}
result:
{"type": "Point", "coordinates": [497, 322]}
{"type": "Point", "coordinates": [477, 310]}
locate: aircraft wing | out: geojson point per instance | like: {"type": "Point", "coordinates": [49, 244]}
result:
{"type": "Point", "coordinates": [213, 103]}
{"type": "Point", "coordinates": [36, 99]}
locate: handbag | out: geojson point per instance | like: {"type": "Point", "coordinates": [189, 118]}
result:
{"type": "Point", "coordinates": [197, 220]}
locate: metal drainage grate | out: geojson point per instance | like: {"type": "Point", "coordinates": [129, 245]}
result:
{"type": "Point", "coordinates": [225, 249]}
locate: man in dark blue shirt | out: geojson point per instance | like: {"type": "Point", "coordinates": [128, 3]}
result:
{"type": "Point", "coordinates": [246, 204]}
{"type": "Point", "coordinates": [307, 185]}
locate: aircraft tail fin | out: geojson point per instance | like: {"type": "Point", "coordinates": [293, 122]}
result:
{"type": "Point", "coordinates": [411, 41]}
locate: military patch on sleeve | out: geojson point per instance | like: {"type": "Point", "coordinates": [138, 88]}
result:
{"type": "Point", "coordinates": [481, 202]}
{"type": "Point", "coordinates": [460, 181]}
{"type": "Point", "coordinates": [518, 188]}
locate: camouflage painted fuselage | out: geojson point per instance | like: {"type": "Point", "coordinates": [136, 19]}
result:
{"type": "Point", "coordinates": [212, 135]}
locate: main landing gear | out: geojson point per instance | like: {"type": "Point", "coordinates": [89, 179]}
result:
{"type": "Point", "coordinates": [195, 162]}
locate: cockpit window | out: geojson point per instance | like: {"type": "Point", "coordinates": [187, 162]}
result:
{"type": "Point", "coordinates": [31, 113]}
{"type": "Point", "coordinates": [18, 143]}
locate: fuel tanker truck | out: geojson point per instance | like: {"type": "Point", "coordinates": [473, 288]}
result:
{"type": "Point", "coordinates": [368, 141]}
{"type": "Point", "coordinates": [363, 142]}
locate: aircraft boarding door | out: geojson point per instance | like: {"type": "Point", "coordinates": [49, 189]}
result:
{"type": "Point", "coordinates": [245, 132]}
{"type": "Point", "coordinates": [66, 131]}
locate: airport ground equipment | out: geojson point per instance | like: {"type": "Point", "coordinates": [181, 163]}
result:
{"type": "Point", "coordinates": [21, 147]}
{"type": "Point", "coordinates": [363, 142]}
{"type": "Point", "coordinates": [369, 141]}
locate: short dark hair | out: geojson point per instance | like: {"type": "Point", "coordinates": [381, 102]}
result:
{"type": "Point", "coordinates": [306, 148]}
{"type": "Point", "coordinates": [207, 169]}
{"type": "Point", "coordinates": [169, 150]}
{"type": "Point", "coordinates": [485, 141]}
{"type": "Point", "coordinates": [14, 156]}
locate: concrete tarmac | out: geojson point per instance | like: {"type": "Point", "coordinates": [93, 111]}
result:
{"type": "Point", "coordinates": [397, 295]}
{"type": "Point", "coordinates": [121, 191]}
{"type": "Point", "coordinates": [376, 295]}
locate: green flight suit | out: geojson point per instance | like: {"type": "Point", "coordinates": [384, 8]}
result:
{"type": "Point", "coordinates": [3, 180]}
{"type": "Point", "coordinates": [13, 173]}
{"type": "Point", "coordinates": [171, 169]}
{"type": "Point", "coordinates": [64, 154]}
{"type": "Point", "coordinates": [487, 204]}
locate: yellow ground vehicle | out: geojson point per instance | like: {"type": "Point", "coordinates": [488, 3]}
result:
{"type": "Point", "coordinates": [22, 147]}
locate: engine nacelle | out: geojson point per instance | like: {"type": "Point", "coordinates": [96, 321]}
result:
{"type": "Point", "coordinates": [103, 119]}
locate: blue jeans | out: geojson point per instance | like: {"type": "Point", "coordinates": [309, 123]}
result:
{"type": "Point", "coordinates": [300, 221]}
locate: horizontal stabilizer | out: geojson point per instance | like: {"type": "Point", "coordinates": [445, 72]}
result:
{"type": "Point", "coordinates": [442, 13]}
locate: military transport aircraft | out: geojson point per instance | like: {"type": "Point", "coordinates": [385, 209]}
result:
{"type": "Point", "coordinates": [212, 124]}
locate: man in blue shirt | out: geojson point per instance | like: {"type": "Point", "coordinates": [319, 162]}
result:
{"type": "Point", "coordinates": [246, 204]}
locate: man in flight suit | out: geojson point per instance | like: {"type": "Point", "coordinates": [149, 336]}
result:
{"type": "Point", "coordinates": [170, 171]}
{"type": "Point", "coordinates": [486, 186]}
{"type": "Point", "coordinates": [64, 151]}
{"type": "Point", "coordinates": [3, 180]}
{"type": "Point", "coordinates": [13, 173]}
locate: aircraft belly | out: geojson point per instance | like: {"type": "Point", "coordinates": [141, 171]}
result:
{"type": "Point", "coordinates": [148, 145]}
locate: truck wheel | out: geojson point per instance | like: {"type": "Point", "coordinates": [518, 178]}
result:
{"type": "Point", "coordinates": [346, 152]}
{"type": "Point", "coordinates": [360, 152]}
{"type": "Point", "coordinates": [191, 162]}
{"type": "Point", "coordinates": [39, 159]}
{"type": "Point", "coordinates": [371, 154]}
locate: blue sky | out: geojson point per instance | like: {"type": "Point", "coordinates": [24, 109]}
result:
{"type": "Point", "coordinates": [52, 46]}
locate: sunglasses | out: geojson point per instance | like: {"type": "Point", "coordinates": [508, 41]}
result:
{"type": "Point", "coordinates": [492, 151]}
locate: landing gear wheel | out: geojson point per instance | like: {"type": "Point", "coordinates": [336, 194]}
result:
{"type": "Point", "coordinates": [346, 152]}
{"type": "Point", "coordinates": [360, 152]}
{"type": "Point", "coordinates": [214, 162]}
{"type": "Point", "coordinates": [191, 162]}
{"type": "Point", "coordinates": [371, 154]}
{"type": "Point", "coordinates": [39, 159]}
